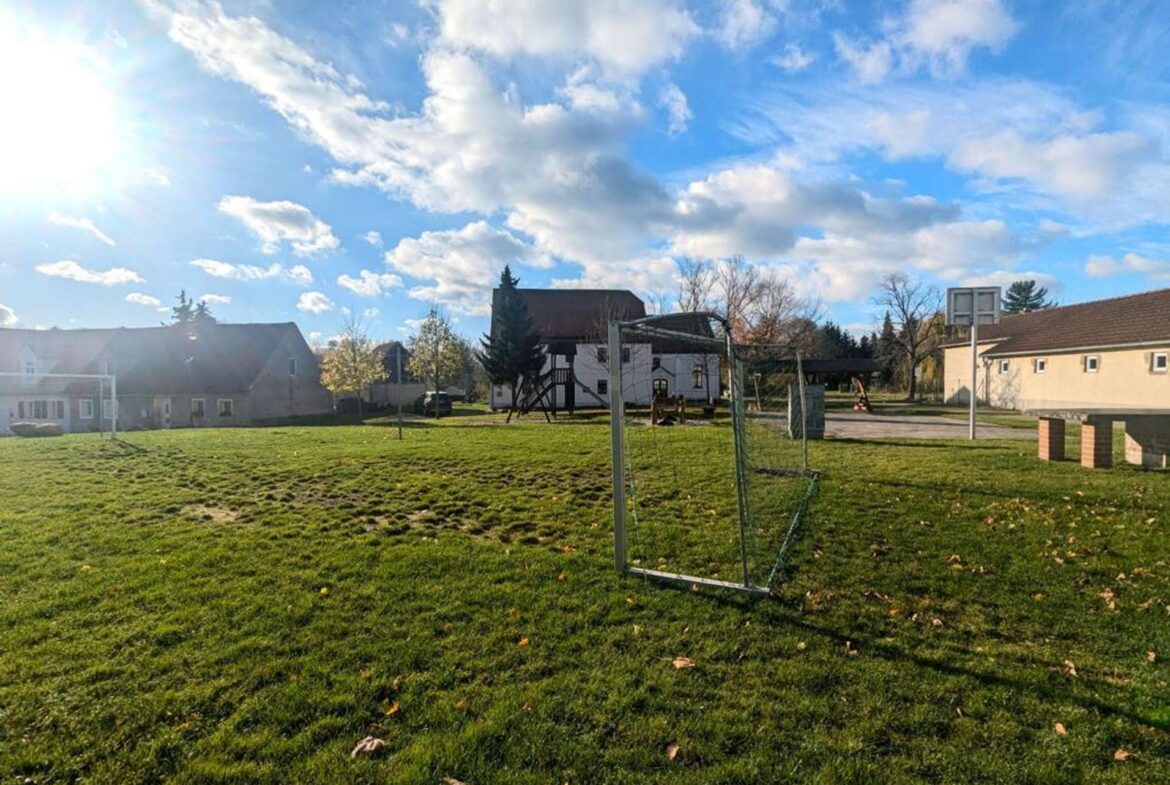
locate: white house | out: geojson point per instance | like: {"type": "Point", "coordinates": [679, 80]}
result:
{"type": "Point", "coordinates": [573, 324]}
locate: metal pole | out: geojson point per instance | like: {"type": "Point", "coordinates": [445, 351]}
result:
{"type": "Point", "coordinates": [398, 361]}
{"type": "Point", "coordinates": [803, 414]}
{"type": "Point", "coordinates": [974, 370]}
{"type": "Point", "coordinates": [114, 413]}
{"type": "Point", "coordinates": [617, 423]}
{"type": "Point", "coordinates": [735, 392]}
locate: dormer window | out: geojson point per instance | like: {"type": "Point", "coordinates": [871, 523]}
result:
{"type": "Point", "coordinates": [30, 368]}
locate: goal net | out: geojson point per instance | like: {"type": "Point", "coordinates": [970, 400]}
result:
{"type": "Point", "coordinates": [70, 402]}
{"type": "Point", "coordinates": [709, 443]}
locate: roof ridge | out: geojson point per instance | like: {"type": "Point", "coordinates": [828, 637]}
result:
{"type": "Point", "coordinates": [1103, 300]}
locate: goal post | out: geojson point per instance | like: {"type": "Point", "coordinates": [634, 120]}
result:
{"type": "Point", "coordinates": [31, 392]}
{"type": "Point", "coordinates": [710, 473]}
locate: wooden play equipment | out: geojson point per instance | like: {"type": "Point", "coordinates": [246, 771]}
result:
{"type": "Point", "coordinates": [667, 409]}
{"type": "Point", "coordinates": [861, 397]}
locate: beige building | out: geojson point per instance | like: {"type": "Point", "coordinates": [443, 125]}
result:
{"type": "Point", "coordinates": [1101, 361]}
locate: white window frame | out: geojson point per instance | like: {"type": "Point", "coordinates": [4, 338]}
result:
{"type": "Point", "coordinates": [231, 407]}
{"type": "Point", "coordinates": [1164, 357]}
{"type": "Point", "coordinates": [1092, 363]}
{"type": "Point", "coordinates": [109, 408]}
{"type": "Point", "coordinates": [85, 408]}
{"type": "Point", "coordinates": [202, 408]}
{"type": "Point", "coordinates": [698, 377]}
{"type": "Point", "coordinates": [1040, 364]}
{"type": "Point", "coordinates": [1004, 366]}
{"type": "Point", "coordinates": [30, 368]}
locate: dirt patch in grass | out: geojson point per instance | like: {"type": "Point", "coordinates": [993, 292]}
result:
{"type": "Point", "coordinates": [211, 514]}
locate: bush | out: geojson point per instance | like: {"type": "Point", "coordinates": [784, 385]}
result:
{"type": "Point", "coordinates": [33, 429]}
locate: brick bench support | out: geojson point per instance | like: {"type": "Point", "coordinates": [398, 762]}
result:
{"type": "Point", "coordinates": [1051, 439]}
{"type": "Point", "coordinates": [1097, 443]}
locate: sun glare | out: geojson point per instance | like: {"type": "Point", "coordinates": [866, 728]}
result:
{"type": "Point", "coordinates": [59, 129]}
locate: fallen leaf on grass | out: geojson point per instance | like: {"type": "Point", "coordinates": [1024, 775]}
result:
{"type": "Point", "coordinates": [462, 705]}
{"type": "Point", "coordinates": [522, 642]}
{"type": "Point", "coordinates": [367, 746]}
{"type": "Point", "coordinates": [1060, 730]}
{"type": "Point", "coordinates": [1121, 754]}
{"type": "Point", "coordinates": [801, 646]}
{"type": "Point", "coordinates": [560, 576]}
{"type": "Point", "coordinates": [398, 681]}
{"type": "Point", "coordinates": [453, 781]}
{"type": "Point", "coordinates": [936, 622]}
{"type": "Point", "coordinates": [1068, 669]}
{"type": "Point", "coordinates": [393, 709]}
{"type": "Point", "coordinates": [671, 751]}
{"type": "Point", "coordinates": [850, 649]}
{"type": "Point", "coordinates": [682, 662]}
{"type": "Point", "coordinates": [365, 673]}
{"type": "Point", "coordinates": [1151, 656]}
{"type": "Point", "coordinates": [637, 629]}
{"type": "Point", "coordinates": [324, 592]}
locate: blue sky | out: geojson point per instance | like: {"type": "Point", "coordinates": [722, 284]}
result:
{"type": "Point", "coordinates": [292, 160]}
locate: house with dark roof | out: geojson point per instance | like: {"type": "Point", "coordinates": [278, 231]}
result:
{"type": "Point", "coordinates": [172, 376]}
{"type": "Point", "coordinates": [1107, 354]}
{"type": "Point", "coordinates": [574, 323]}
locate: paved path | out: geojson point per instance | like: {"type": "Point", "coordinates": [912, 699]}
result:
{"type": "Point", "coordinates": [856, 425]}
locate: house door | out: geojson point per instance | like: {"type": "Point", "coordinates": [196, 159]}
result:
{"type": "Point", "coordinates": [166, 413]}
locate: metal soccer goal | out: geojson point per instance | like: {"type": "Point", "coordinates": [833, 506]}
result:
{"type": "Point", "coordinates": [76, 401]}
{"type": "Point", "coordinates": [710, 452]}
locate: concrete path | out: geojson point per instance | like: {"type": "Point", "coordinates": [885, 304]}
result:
{"type": "Point", "coordinates": [856, 425]}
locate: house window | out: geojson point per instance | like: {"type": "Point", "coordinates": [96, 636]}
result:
{"type": "Point", "coordinates": [108, 409]}
{"type": "Point", "coordinates": [224, 407]}
{"type": "Point", "coordinates": [697, 377]}
{"type": "Point", "coordinates": [292, 366]}
{"type": "Point", "coordinates": [625, 355]}
{"type": "Point", "coordinates": [40, 410]}
{"type": "Point", "coordinates": [1041, 364]}
{"type": "Point", "coordinates": [602, 355]}
{"type": "Point", "coordinates": [655, 363]}
{"type": "Point", "coordinates": [85, 408]}
{"type": "Point", "coordinates": [1004, 365]}
{"type": "Point", "coordinates": [58, 408]}
{"type": "Point", "coordinates": [661, 387]}
{"type": "Point", "coordinates": [30, 368]}
{"type": "Point", "coordinates": [1092, 363]}
{"type": "Point", "coordinates": [1158, 363]}
{"type": "Point", "coordinates": [603, 386]}
{"type": "Point", "coordinates": [197, 408]}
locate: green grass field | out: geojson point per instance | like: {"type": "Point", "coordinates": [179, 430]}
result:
{"type": "Point", "coordinates": [231, 606]}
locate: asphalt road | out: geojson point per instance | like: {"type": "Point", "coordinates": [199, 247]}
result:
{"type": "Point", "coordinates": [857, 425]}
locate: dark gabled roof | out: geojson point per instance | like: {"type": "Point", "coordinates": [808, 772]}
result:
{"type": "Point", "coordinates": [697, 324]}
{"type": "Point", "coordinates": [1135, 319]}
{"type": "Point", "coordinates": [577, 314]}
{"type": "Point", "coordinates": [214, 358]}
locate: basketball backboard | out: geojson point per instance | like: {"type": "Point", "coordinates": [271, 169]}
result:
{"type": "Point", "coordinates": [967, 305]}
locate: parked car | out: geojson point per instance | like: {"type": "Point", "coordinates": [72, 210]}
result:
{"type": "Point", "coordinates": [431, 401]}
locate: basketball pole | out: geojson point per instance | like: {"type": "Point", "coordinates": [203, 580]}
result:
{"type": "Point", "coordinates": [974, 370]}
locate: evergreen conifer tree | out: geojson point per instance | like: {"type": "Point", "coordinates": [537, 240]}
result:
{"type": "Point", "coordinates": [512, 350]}
{"type": "Point", "coordinates": [1024, 296]}
{"type": "Point", "coordinates": [184, 312]}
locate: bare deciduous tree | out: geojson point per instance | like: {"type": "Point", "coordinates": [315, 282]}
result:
{"type": "Point", "coordinates": [696, 280]}
{"type": "Point", "coordinates": [912, 304]}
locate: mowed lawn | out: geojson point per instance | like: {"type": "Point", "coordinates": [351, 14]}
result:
{"type": "Point", "coordinates": [233, 606]}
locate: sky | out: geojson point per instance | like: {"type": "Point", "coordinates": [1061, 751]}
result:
{"type": "Point", "coordinates": [291, 160]}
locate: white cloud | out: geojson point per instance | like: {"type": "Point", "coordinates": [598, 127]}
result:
{"type": "Point", "coordinates": [298, 273]}
{"type": "Point", "coordinates": [8, 316]}
{"type": "Point", "coordinates": [314, 302]}
{"type": "Point", "coordinates": [84, 224]}
{"type": "Point", "coordinates": [744, 23]}
{"type": "Point", "coordinates": [315, 338]}
{"type": "Point", "coordinates": [215, 299]}
{"type": "Point", "coordinates": [150, 301]}
{"type": "Point", "coordinates": [793, 59]}
{"type": "Point", "coordinates": [370, 284]}
{"type": "Point", "coordinates": [70, 269]}
{"type": "Point", "coordinates": [373, 238]}
{"type": "Point", "coordinates": [623, 36]}
{"type": "Point", "coordinates": [1005, 278]}
{"type": "Point", "coordinates": [1079, 167]}
{"type": "Point", "coordinates": [940, 34]}
{"type": "Point", "coordinates": [371, 313]}
{"type": "Point", "coordinates": [463, 264]}
{"type": "Point", "coordinates": [677, 108]}
{"type": "Point", "coordinates": [1101, 266]}
{"type": "Point", "coordinates": [277, 222]}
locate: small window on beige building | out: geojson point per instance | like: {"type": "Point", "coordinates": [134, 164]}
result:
{"type": "Point", "coordinates": [1158, 362]}
{"type": "Point", "coordinates": [1004, 365]}
{"type": "Point", "coordinates": [1092, 363]}
{"type": "Point", "coordinates": [1041, 364]}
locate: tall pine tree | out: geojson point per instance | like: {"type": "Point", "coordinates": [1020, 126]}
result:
{"type": "Point", "coordinates": [184, 312]}
{"type": "Point", "coordinates": [512, 350]}
{"type": "Point", "coordinates": [1024, 296]}
{"type": "Point", "coordinates": [886, 351]}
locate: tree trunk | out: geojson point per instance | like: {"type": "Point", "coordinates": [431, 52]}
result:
{"type": "Point", "coordinates": [913, 380]}
{"type": "Point", "coordinates": [512, 406]}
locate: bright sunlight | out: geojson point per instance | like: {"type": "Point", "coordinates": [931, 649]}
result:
{"type": "Point", "coordinates": [60, 132]}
